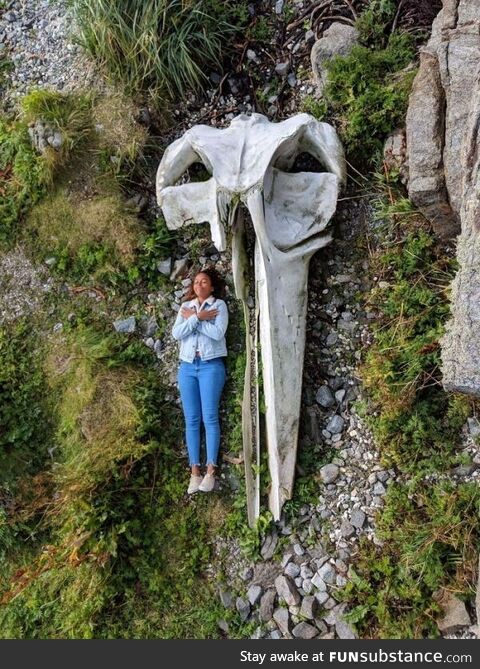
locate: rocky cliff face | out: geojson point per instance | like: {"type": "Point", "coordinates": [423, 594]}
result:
{"type": "Point", "coordinates": [443, 140]}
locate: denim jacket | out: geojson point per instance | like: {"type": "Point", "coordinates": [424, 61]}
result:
{"type": "Point", "coordinates": [207, 337]}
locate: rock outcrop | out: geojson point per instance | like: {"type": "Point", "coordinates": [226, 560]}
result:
{"type": "Point", "coordinates": [443, 123]}
{"type": "Point", "coordinates": [439, 114]}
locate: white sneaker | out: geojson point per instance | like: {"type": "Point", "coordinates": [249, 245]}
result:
{"type": "Point", "coordinates": [208, 483]}
{"type": "Point", "coordinates": [194, 485]}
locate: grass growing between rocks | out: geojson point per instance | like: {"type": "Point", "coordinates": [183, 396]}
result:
{"type": "Point", "coordinates": [429, 525]}
{"type": "Point", "coordinates": [26, 174]}
{"type": "Point", "coordinates": [366, 94]}
{"type": "Point", "coordinates": [97, 536]}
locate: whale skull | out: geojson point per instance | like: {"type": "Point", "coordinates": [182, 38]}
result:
{"type": "Point", "coordinates": [248, 163]}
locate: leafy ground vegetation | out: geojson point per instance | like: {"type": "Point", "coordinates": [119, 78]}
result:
{"type": "Point", "coordinates": [430, 524]}
{"type": "Point", "coordinates": [97, 538]}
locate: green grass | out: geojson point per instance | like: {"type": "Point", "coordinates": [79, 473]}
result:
{"type": "Point", "coordinates": [163, 46]}
{"type": "Point", "coordinates": [104, 544]}
{"type": "Point", "coordinates": [26, 175]}
{"type": "Point", "coordinates": [429, 526]}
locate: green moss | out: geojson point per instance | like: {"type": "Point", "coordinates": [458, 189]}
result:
{"type": "Point", "coordinates": [120, 552]}
{"type": "Point", "coordinates": [368, 94]}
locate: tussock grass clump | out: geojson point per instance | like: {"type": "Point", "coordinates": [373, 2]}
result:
{"type": "Point", "coordinates": [164, 46]}
{"type": "Point", "coordinates": [68, 113]}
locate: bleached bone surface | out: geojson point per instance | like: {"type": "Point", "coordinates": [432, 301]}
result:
{"type": "Point", "coordinates": [249, 162]}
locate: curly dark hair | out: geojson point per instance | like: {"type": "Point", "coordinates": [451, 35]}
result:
{"type": "Point", "coordinates": [218, 283]}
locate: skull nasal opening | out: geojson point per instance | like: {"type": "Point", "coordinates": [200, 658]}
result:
{"type": "Point", "coordinates": [304, 162]}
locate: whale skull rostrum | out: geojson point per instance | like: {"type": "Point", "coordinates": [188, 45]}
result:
{"type": "Point", "coordinates": [249, 163]}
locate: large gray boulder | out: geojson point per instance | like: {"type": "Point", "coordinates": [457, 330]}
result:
{"type": "Point", "coordinates": [461, 343]}
{"type": "Point", "coordinates": [438, 114]}
{"type": "Point", "coordinates": [337, 40]}
{"type": "Point", "coordinates": [443, 123]}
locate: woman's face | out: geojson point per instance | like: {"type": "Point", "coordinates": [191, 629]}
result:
{"type": "Point", "coordinates": [202, 286]}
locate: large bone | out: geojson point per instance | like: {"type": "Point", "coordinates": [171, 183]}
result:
{"type": "Point", "coordinates": [289, 213]}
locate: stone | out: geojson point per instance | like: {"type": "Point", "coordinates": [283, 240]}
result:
{"type": "Point", "coordinates": [328, 635]}
{"type": "Point", "coordinates": [324, 397]}
{"type": "Point", "coordinates": [327, 573]}
{"type": "Point", "coordinates": [265, 573]}
{"type": "Point", "coordinates": [286, 590]}
{"type": "Point", "coordinates": [289, 213]}
{"type": "Point", "coordinates": [307, 586]}
{"type": "Point", "coordinates": [379, 488]}
{"type": "Point", "coordinates": [347, 530]}
{"type": "Point", "coordinates": [455, 615]}
{"type": "Point", "coordinates": [335, 613]}
{"type": "Point", "coordinates": [337, 40]}
{"type": "Point", "coordinates": [344, 630]}
{"type": "Point", "coordinates": [254, 593]}
{"type": "Point", "coordinates": [267, 603]}
{"type": "Point", "coordinates": [243, 608]}
{"type": "Point", "coordinates": [282, 618]}
{"type": "Point", "coordinates": [292, 570]}
{"type": "Point", "coordinates": [298, 549]}
{"type": "Point", "coordinates": [125, 325]}
{"type": "Point", "coordinates": [473, 426]}
{"type": "Point", "coordinates": [305, 571]}
{"type": "Point", "coordinates": [331, 340]}
{"type": "Point", "coordinates": [309, 607]}
{"type": "Point", "coordinates": [56, 140]}
{"type": "Point", "coordinates": [395, 153]}
{"type": "Point", "coordinates": [148, 325]}
{"type": "Point", "coordinates": [304, 631]}
{"type": "Point", "coordinates": [226, 599]}
{"type": "Point", "coordinates": [335, 424]}
{"type": "Point", "coordinates": [291, 80]}
{"type": "Point", "coordinates": [269, 545]}
{"type": "Point", "coordinates": [357, 518]}
{"type": "Point", "coordinates": [165, 266]}
{"type": "Point", "coordinates": [223, 625]}
{"type": "Point", "coordinates": [282, 69]}
{"type": "Point", "coordinates": [329, 473]}
{"type": "Point", "coordinates": [322, 597]}
{"type": "Point", "coordinates": [312, 427]}
{"type": "Point", "coordinates": [180, 269]}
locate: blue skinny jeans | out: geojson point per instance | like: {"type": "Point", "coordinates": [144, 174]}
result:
{"type": "Point", "coordinates": [201, 383]}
